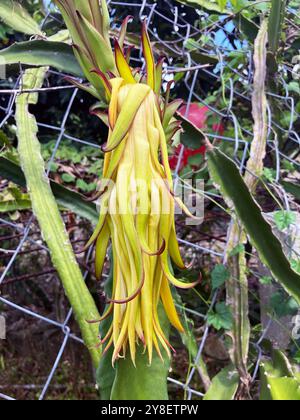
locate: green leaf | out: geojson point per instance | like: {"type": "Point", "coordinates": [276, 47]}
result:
{"type": "Point", "coordinates": [294, 87]}
{"type": "Point", "coordinates": [282, 306]}
{"type": "Point", "coordinates": [221, 317]}
{"type": "Point", "coordinates": [237, 250]}
{"type": "Point", "coordinates": [14, 205]}
{"type": "Point", "coordinates": [278, 368]}
{"type": "Point", "coordinates": [208, 5]}
{"type": "Point", "coordinates": [191, 136]}
{"type": "Point", "coordinates": [297, 357]}
{"type": "Point", "coordinates": [224, 385]}
{"type": "Point", "coordinates": [84, 186]}
{"type": "Point", "coordinates": [53, 167]}
{"type": "Point", "coordinates": [247, 26]}
{"type": "Point", "coordinates": [226, 174]}
{"type": "Point", "coordinates": [219, 276]}
{"type": "Point", "coordinates": [266, 280]}
{"type": "Point", "coordinates": [284, 389]}
{"type": "Point", "coordinates": [68, 178]}
{"type": "Point", "coordinates": [284, 219]}
{"type": "Point", "coordinates": [66, 198]}
{"type": "Point", "coordinates": [143, 382]}
{"type": "Point", "coordinates": [269, 174]}
{"type": "Point", "coordinates": [4, 141]}
{"type": "Point", "coordinates": [15, 16]}
{"type": "Point", "coordinates": [222, 4]}
{"type": "Point", "coordinates": [279, 383]}
{"type": "Point", "coordinates": [42, 53]}
{"type": "Point", "coordinates": [296, 265]}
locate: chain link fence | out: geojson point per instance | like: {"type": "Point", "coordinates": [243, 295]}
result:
{"type": "Point", "coordinates": [224, 39]}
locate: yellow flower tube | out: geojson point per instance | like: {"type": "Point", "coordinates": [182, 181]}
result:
{"type": "Point", "coordinates": [137, 214]}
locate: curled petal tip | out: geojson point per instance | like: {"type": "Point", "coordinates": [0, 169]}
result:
{"type": "Point", "coordinates": [158, 252]}
{"type": "Point", "coordinates": [104, 148]}
{"type": "Point", "coordinates": [129, 298]}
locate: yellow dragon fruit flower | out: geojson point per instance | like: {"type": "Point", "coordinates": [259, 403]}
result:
{"type": "Point", "coordinates": [137, 209]}
{"type": "Point", "coordinates": [137, 199]}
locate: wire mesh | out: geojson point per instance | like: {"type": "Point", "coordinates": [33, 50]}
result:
{"type": "Point", "coordinates": [173, 16]}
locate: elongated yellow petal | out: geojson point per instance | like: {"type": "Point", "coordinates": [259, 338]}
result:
{"type": "Point", "coordinates": [148, 54]}
{"type": "Point", "coordinates": [177, 283]}
{"type": "Point", "coordinates": [174, 249]}
{"type": "Point", "coordinates": [101, 249]}
{"type": "Point", "coordinates": [135, 97]}
{"type": "Point", "coordinates": [139, 219]}
{"type": "Point", "coordinates": [122, 65]}
{"type": "Point", "coordinates": [169, 306]}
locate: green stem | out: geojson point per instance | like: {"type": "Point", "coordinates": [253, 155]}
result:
{"type": "Point", "coordinates": [237, 298]}
{"type": "Point", "coordinates": [46, 211]}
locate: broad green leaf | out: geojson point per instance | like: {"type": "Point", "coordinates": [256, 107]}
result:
{"type": "Point", "coordinates": [237, 250]}
{"type": "Point", "coordinates": [282, 366]}
{"type": "Point", "coordinates": [42, 53]}
{"type": "Point", "coordinates": [226, 174]}
{"type": "Point", "coordinates": [283, 306]}
{"type": "Point", "coordinates": [68, 178]}
{"type": "Point", "coordinates": [143, 382]}
{"type": "Point", "coordinates": [266, 280]}
{"type": "Point", "coordinates": [295, 263]}
{"type": "Point", "coordinates": [247, 26]}
{"type": "Point", "coordinates": [65, 198]}
{"type": "Point", "coordinates": [220, 317]}
{"type": "Point", "coordinates": [278, 380]}
{"type": "Point", "coordinates": [284, 389]}
{"type": "Point", "coordinates": [47, 213]}
{"type": "Point", "coordinates": [191, 136]}
{"type": "Point", "coordinates": [284, 219]}
{"type": "Point", "coordinates": [4, 141]}
{"type": "Point", "coordinates": [14, 205]}
{"type": "Point", "coordinates": [269, 174]}
{"type": "Point", "coordinates": [222, 4]}
{"type": "Point", "coordinates": [277, 368]}
{"type": "Point", "coordinates": [15, 16]}
{"type": "Point", "coordinates": [224, 386]}
{"type": "Point", "coordinates": [219, 276]}
{"type": "Point", "coordinates": [209, 5]}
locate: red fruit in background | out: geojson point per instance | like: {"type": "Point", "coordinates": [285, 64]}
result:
{"type": "Point", "coordinates": [185, 157]}
{"type": "Point", "coordinates": [197, 115]}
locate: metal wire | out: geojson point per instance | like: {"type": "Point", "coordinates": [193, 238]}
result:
{"type": "Point", "coordinates": [181, 31]}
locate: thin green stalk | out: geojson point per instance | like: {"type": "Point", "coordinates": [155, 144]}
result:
{"type": "Point", "coordinates": [237, 298]}
{"type": "Point", "coordinates": [46, 211]}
